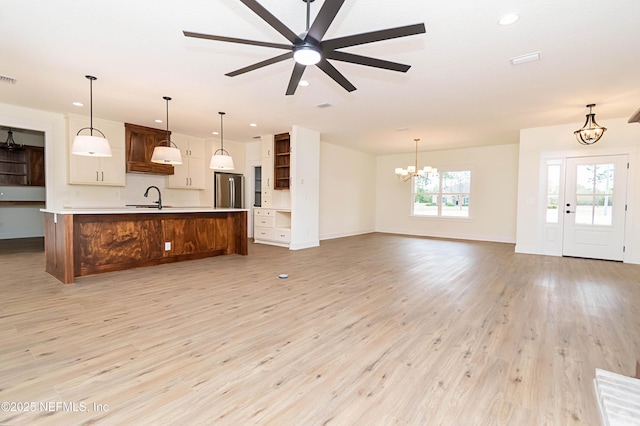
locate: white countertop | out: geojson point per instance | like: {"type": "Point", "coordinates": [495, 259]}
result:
{"type": "Point", "coordinates": [129, 210]}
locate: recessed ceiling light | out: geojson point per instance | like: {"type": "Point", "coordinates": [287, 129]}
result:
{"type": "Point", "coordinates": [215, 133]}
{"type": "Point", "coordinates": [324, 105]}
{"type": "Point", "coordinates": [158, 120]}
{"type": "Point", "coordinates": [508, 19]}
{"type": "Point", "coordinates": [78, 104]}
{"type": "Point", "coordinates": [303, 83]}
{"type": "Point", "coordinates": [525, 58]}
{"type": "Point", "coordinates": [253, 125]}
{"type": "Point", "coordinates": [402, 129]}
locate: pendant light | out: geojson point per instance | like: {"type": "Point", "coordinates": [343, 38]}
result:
{"type": "Point", "coordinates": [221, 160]}
{"type": "Point", "coordinates": [92, 146]}
{"type": "Point", "coordinates": [166, 154]}
{"type": "Point", "coordinates": [10, 144]}
{"type": "Point", "coordinates": [413, 171]}
{"type": "Point", "coordinates": [591, 132]}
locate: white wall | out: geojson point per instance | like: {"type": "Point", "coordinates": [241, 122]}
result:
{"type": "Point", "coordinates": [494, 173]}
{"type": "Point", "coordinates": [347, 192]}
{"type": "Point", "coordinates": [559, 142]}
{"type": "Point", "coordinates": [305, 188]}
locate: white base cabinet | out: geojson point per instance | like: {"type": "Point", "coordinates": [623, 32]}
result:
{"type": "Point", "coordinates": [272, 226]}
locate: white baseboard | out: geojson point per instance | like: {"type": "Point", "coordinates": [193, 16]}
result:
{"type": "Point", "coordinates": [454, 236]}
{"type": "Point", "coordinates": [345, 234]}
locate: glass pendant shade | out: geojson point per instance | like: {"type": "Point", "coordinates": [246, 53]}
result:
{"type": "Point", "coordinates": [166, 154]}
{"type": "Point", "coordinates": [221, 160]}
{"type": "Point", "coordinates": [591, 132]}
{"type": "Point", "coordinates": [90, 145]}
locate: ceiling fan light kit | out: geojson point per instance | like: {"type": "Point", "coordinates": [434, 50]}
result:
{"type": "Point", "coordinates": [309, 48]}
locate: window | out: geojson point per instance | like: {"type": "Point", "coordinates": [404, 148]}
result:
{"type": "Point", "coordinates": [443, 194]}
{"type": "Point", "coordinates": [553, 189]}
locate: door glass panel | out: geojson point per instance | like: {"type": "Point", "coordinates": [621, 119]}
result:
{"type": "Point", "coordinates": [594, 194]}
{"type": "Point", "coordinates": [553, 191]}
{"type": "Point", "coordinates": [604, 178]}
{"type": "Point", "coordinates": [552, 209]}
{"type": "Point", "coordinates": [584, 209]}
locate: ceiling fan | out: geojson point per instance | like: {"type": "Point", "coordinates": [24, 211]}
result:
{"type": "Point", "coordinates": [309, 48]}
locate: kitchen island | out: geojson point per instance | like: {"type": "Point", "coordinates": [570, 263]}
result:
{"type": "Point", "coordinates": [81, 242]}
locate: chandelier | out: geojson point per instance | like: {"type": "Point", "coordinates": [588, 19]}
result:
{"type": "Point", "coordinates": [591, 132]}
{"type": "Point", "coordinates": [413, 171]}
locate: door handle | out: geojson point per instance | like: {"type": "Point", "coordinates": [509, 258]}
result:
{"type": "Point", "coordinates": [569, 211]}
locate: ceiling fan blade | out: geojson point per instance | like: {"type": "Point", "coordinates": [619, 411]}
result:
{"type": "Point", "coordinates": [324, 19]}
{"type": "Point", "coordinates": [367, 61]}
{"type": "Point", "coordinates": [329, 69]}
{"type": "Point", "coordinates": [296, 75]}
{"type": "Point", "coordinates": [238, 40]}
{"type": "Point", "coordinates": [370, 37]}
{"type": "Point", "coordinates": [275, 23]}
{"type": "Point", "coordinates": [274, 60]}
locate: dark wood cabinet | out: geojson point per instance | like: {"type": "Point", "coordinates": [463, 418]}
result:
{"type": "Point", "coordinates": [140, 142]}
{"type": "Point", "coordinates": [22, 166]}
{"type": "Point", "coordinates": [35, 165]}
{"type": "Point", "coordinates": [281, 160]}
{"type": "Point", "coordinates": [83, 244]}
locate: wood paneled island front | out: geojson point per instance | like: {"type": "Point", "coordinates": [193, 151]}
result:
{"type": "Point", "coordinates": [83, 242]}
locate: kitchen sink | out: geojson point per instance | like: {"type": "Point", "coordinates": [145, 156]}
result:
{"type": "Point", "coordinates": [146, 206]}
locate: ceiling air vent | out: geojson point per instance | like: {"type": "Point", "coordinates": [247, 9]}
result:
{"type": "Point", "coordinates": [324, 105]}
{"type": "Point", "coordinates": [5, 79]}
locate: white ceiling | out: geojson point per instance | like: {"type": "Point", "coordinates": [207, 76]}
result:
{"type": "Point", "coordinates": [461, 90]}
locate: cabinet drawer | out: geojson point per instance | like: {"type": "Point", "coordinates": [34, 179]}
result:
{"type": "Point", "coordinates": [263, 233]}
{"type": "Point", "coordinates": [265, 221]}
{"type": "Point", "coordinates": [263, 213]}
{"type": "Point", "coordinates": [282, 235]}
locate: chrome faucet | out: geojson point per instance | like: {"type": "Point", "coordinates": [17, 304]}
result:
{"type": "Point", "coordinates": [159, 202]}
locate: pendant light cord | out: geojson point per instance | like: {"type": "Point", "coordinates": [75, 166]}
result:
{"type": "Point", "coordinates": [221, 133]}
{"type": "Point", "coordinates": [91, 103]}
{"type": "Point", "coordinates": [167, 98]}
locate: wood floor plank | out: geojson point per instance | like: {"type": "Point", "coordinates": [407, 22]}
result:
{"type": "Point", "coordinates": [376, 329]}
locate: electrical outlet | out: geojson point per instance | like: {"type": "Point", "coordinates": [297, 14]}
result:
{"type": "Point", "coordinates": [167, 246]}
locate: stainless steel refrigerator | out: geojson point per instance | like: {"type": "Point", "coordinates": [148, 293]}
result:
{"type": "Point", "coordinates": [229, 190]}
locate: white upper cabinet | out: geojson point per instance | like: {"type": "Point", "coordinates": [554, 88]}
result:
{"type": "Point", "coordinates": [83, 170]}
{"type": "Point", "coordinates": [191, 173]}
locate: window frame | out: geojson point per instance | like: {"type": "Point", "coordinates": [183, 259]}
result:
{"type": "Point", "coordinates": [439, 216]}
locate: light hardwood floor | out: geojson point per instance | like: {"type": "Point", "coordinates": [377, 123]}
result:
{"type": "Point", "coordinates": [370, 330]}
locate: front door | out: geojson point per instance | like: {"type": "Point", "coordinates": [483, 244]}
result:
{"type": "Point", "coordinates": [595, 207]}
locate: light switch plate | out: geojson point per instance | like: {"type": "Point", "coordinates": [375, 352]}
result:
{"type": "Point", "coordinates": [167, 246]}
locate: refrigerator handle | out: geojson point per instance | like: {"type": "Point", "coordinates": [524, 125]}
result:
{"type": "Point", "coordinates": [232, 194]}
